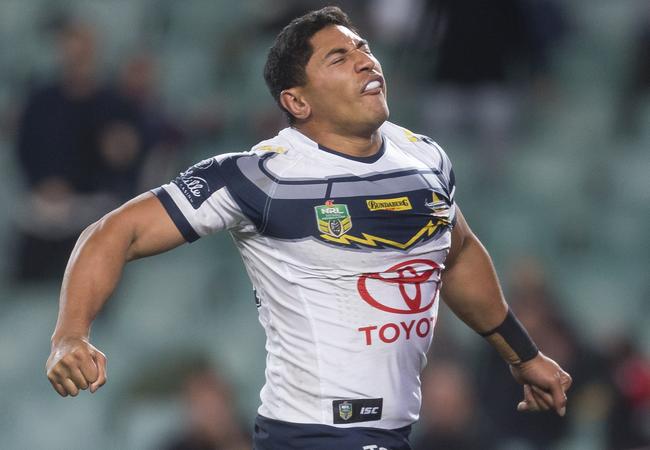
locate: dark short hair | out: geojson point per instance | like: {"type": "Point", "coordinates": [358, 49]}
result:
{"type": "Point", "coordinates": [290, 53]}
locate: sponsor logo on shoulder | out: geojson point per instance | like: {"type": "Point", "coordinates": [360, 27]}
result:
{"type": "Point", "coordinates": [271, 148]}
{"type": "Point", "coordinates": [357, 410]}
{"type": "Point", "coordinates": [193, 184]}
{"type": "Point", "coordinates": [410, 135]}
{"type": "Point", "coordinates": [389, 204]}
{"type": "Point", "coordinates": [332, 219]}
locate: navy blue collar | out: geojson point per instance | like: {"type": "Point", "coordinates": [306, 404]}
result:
{"type": "Point", "coordinates": [364, 159]}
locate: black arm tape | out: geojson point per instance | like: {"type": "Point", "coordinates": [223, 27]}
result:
{"type": "Point", "coordinates": [512, 340]}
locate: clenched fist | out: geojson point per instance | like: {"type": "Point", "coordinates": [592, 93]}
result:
{"type": "Point", "coordinates": [545, 385]}
{"type": "Point", "coordinates": [74, 364]}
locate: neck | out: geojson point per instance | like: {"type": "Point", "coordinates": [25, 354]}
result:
{"type": "Point", "coordinates": [361, 145]}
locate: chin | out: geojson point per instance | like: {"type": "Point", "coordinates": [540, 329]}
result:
{"type": "Point", "coordinates": [379, 117]}
{"type": "Point", "coordinates": [385, 114]}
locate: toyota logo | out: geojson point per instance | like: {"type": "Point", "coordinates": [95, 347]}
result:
{"type": "Point", "coordinates": [417, 282]}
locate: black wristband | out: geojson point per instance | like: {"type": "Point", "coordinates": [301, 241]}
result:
{"type": "Point", "coordinates": [512, 341]}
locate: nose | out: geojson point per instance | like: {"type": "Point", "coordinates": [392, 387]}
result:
{"type": "Point", "coordinates": [364, 61]}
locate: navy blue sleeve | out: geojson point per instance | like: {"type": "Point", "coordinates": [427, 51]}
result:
{"type": "Point", "coordinates": [198, 201]}
{"type": "Point", "coordinates": [176, 215]}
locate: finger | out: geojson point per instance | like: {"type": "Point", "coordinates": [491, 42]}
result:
{"type": "Point", "coordinates": [566, 381]}
{"type": "Point", "coordinates": [57, 374]}
{"type": "Point", "coordinates": [529, 399]}
{"type": "Point", "coordinates": [70, 387]}
{"type": "Point", "coordinates": [559, 397]}
{"type": "Point", "coordinates": [59, 388]}
{"type": "Point", "coordinates": [100, 361]}
{"type": "Point", "coordinates": [78, 378]}
{"type": "Point", "coordinates": [89, 369]}
{"type": "Point", "coordinates": [544, 399]}
{"type": "Point", "coordinates": [522, 406]}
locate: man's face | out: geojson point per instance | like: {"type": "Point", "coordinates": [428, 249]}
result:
{"type": "Point", "coordinates": [345, 86]}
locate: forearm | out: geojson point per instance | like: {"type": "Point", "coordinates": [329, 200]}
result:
{"type": "Point", "coordinates": [139, 228]}
{"type": "Point", "coordinates": [471, 288]}
{"type": "Point", "coordinates": [472, 291]}
{"type": "Point", "coordinates": [93, 272]}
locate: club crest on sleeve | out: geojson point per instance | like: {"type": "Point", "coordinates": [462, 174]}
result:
{"type": "Point", "coordinates": [439, 207]}
{"type": "Point", "coordinates": [333, 219]}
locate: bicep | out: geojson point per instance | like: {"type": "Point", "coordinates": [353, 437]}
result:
{"type": "Point", "coordinates": [150, 229]}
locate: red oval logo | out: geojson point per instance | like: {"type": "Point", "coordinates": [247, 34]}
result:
{"type": "Point", "coordinates": [409, 278]}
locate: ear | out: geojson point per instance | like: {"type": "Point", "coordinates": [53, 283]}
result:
{"type": "Point", "coordinates": [293, 101]}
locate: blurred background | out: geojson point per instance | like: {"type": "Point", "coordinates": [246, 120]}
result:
{"type": "Point", "coordinates": [542, 105]}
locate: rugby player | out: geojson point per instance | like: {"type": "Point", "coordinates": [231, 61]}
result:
{"type": "Point", "coordinates": [349, 230]}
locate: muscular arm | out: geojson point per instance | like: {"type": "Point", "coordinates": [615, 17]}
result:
{"type": "Point", "coordinates": [139, 228]}
{"type": "Point", "coordinates": [469, 283]}
{"type": "Point", "coordinates": [472, 291]}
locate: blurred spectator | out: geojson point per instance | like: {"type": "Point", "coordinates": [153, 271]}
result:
{"type": "Point", "coordinates": [162, 135]}
{"type": "Point", "coordinates": [637, 85]}
{"type": "Point", "coordinates": [392, 22]}
{"type": "Point", "coordinates": [531, 298]}
{"type": "Point", "coordinates": [628, 423]}
{"type": "Point", "coordinates": [391, 29]}
{"type": "Point", "coordinates": [483, 51]}
{"type": "Point", "coordinates": [80, 148]}
{"type": "Point", "coordinates": [284, 11]}
{"type": "Point", "coordinates": [211, 419]}
{"type": "Point", "coordinates": [448, 409]}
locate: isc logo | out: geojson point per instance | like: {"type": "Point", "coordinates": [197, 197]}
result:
{"type": "Point", "coordinates": [369, 410]}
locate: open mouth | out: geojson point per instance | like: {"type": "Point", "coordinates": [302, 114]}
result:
{"type": "Point", "coordinates": [373, 86]}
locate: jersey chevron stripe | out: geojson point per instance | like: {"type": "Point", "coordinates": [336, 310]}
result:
{"type": "Point", "coordinates": [373, 241]}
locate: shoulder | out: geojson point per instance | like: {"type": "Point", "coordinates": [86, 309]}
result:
{"type": "Point", "coordinates": [263, 162]}
{"type": "Point", "coordinates": [404, 137]}
{"type": "Point", "coordinates": [418, 145]}
{"type": "Point", "coordinates": [277, 147]}
{"type": "Point", "coordinates": [240, 172]}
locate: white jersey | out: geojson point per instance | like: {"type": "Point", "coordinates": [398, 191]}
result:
{"type": "Point", "coordinates": [345, 255]}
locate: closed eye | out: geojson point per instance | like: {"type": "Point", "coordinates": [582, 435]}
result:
{"type": "Point", "coordinates": [338, 54]}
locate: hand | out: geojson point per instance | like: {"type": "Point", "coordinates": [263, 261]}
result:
{"type": "Point", "coordinates": [74, 364]}
{"type": "Point", "coordinates": [545, 384]}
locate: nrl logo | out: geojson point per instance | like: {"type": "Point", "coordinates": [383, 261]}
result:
{"type": "Point", "coordinates": [332, 219]}
{"type": "Point", "coordinates": [345, 410]}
